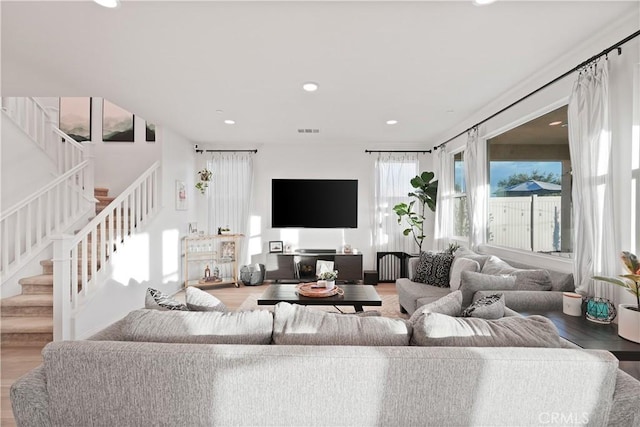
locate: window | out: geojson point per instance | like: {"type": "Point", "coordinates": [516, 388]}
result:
{"type": "Point", "coordinates": [530, 180]}
{"type": "Point", "coordinates": [460, 209]}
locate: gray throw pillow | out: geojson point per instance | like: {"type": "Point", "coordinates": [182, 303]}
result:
{"type": "Point", "coordinates": [298, 325]}
{"type": "Point", "coordinates": [157, 300]}
{"type": "Point", "coordinates": [198, 327]}
{"type": "Point", "coordinates": [489, 307]}
{"type": "Point", "coordinates": [471, 282]}
{"type": "Point", "coordinates": [526, 279]}
{"type": "Point", "coordinates": [463, 252]}
{"type": "Point", "coordinates": [459, 265]}
{"type": "Point", "coordinates": [451, 305]}
{"type": "Point", "coordinates": [435, 329]}
{"type": "Point", "coordinates": [433, 269]}
{"type": "Point", "coordinates": [199, 300]}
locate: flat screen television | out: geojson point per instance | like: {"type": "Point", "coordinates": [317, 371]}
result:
{"type": "Point", "coordinates": [314, 203]}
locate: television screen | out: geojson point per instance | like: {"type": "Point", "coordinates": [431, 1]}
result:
{"type": "Point", "coordinates": [314, 203]}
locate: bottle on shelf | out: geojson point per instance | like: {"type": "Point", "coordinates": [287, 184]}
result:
{"type": "Point", "coordinates": [207, 272]}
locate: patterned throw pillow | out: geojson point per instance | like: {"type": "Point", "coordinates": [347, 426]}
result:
{"type": "Point", "coordinates": [160, 301]}
{"type": "Point", "coordinates": [489, 307]}
{"type": "Point", "coordinates": [433, 269]}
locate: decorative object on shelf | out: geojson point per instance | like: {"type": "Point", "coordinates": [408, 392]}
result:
{"type": "Point", "coordinates": [207, 272]}
{"type": "Point", "coordinates": [572, 304]}
{"type": "Point", "coordinates": [312, 290]}
{"type": "Point", "coordinates": [193, 228]}
{"type": "Point", "coordinates": [425, 194]}
{"type": "Point", "coordinates": [287, 248]}
{"type": "Point", "coordinates": [275, 246]}
{"type": "Point", "coordinates": [205, 178]}
{"type": "Point", "coordinates": [224, 230]}
{"type": "Point", "coordinates": [181, 196]}
{"type": "Point", "coordinates": [347, 249]}
{"type": "Point", "coordinates": [629, 318]}
{"type": "Point", "coordinates": [600, 310]}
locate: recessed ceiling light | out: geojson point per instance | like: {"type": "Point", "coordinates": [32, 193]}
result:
{"type": "Point", "coordinates": [482, 2]}
{"type": "Point", "coordinates": [392, 122]}
{"type": "Point", "coordinates": [229, 122]}
{"type": "Point", "coordinates": [108, 3]}
{"type": "Point", "coordinates": [555, 123]}
{"type": "Point", "coordinates": [310, 86]}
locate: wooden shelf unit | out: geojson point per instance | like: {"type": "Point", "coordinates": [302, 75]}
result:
{"type": "Point", "coordinates": [214, 250]}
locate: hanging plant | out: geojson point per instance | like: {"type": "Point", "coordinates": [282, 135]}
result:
{"type": "Point", "coordinates": [205, 178]}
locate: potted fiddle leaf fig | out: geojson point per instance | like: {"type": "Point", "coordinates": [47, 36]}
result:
{"type": "Point", "coordinates": [413, 213]}
{"type": "Point", "coordinates": [628, 314]}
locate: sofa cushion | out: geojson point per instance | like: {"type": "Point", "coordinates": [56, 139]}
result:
{"type": "Point", "coordinates": [471, 282]}
{"type": "Point", "coordinates": [411, 295]}
{"type": "Point", "coordinates": [200, 327]}
{"type": "Point", "coordinates": [526, 279]}
{"type": "Point", "coordinates": [489, 307]}
{"type": "Point", "coordinates": [459, 265]}
{"type": "Point", "coordinates": [157, 300]}
{"type": "Point", "coordinates": [434, 329]}
{"type": "Point", "coordinates": [433, 269]}
{"type": "Point", "coordinates": [298, 325]}
{"type": "Point", "coordinates": [199, 300]}
{"type": "Point", "coordinates": [451, 305]}
{"type": "Point", "coordinates": [463, 252]}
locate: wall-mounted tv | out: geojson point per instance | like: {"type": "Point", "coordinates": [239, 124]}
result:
{"type": "Point", "coordinates": [314, 203]}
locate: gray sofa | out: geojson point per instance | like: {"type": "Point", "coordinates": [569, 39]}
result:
{"type": "Point", "coordinates": [111, 380]}
{"type": "Point", "coordinates": [412, 295]}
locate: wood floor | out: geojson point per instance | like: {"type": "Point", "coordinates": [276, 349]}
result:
{"type": "Point", "coordinates": [15, 361]}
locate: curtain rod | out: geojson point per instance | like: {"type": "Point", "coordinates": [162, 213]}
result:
{"type": "Point", "coordinates": [199, 150]}
{"type": "Point", "coordinates": [573, 70]}
{"type": "Point", "coordinates": [397, 151]}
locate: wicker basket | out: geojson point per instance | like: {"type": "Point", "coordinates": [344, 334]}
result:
{"type": "Point", "coordinates": [310, 290]}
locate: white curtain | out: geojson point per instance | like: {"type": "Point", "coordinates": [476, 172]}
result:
{"type": "Point", "coordinates": [475, 178]}
{"type": "Point", "coordinates": [230, 195]}
{"type": "Point", "coordinates": [595, 249]}
{"type": "Point", "coordinates": [444, 210]}
{"type": "Point", "coordinates": [393, 174]}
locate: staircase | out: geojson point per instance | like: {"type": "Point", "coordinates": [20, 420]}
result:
{"type": "Point", "coordinates": [27, 319]}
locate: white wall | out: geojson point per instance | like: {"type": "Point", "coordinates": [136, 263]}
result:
{"type": "Point", "coordinates": [153, 257]}
{"type": "Point", "coordinates": [312, 161]}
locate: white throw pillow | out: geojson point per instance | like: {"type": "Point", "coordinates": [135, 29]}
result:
{"type": "Point", "coordinates": [199, 300]}
{"type": "Point", "coordinates": [457, 267]}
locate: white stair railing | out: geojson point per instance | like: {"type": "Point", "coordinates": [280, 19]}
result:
{"type": "Point", "coordinates": [37, 123]}
{"type": "Point", "coordinates": [27, 227]}
{"type": "Point", "coordinates": [76, 275]}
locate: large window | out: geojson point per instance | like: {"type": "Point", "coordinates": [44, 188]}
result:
{"type": "Point", "coordinates": [530, 181]}
{"type": "Point", "coordinates": [460, 209]}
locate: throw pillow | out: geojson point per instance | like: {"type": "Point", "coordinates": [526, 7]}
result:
{"type": "Point", "coordinates": [199, 300]}
{"type": "Point", "coordinates": [451, 305]}
{"type": "Point", "coordinates": [459, 265]}
{"type": "Point", "coordinates": [298, 325]}
{"type": "Point", "coordinates": [157, 300]}
{"type": "Point", "coordinates": [434, 329]}
{"type": "Point", "coordinates": [526, 279]}
{"type": "Point", "coordinates": [471, 282]}
{"type": "Point", "coordinates": [489, 307]}
{"type": "Point", "coordinates": [463, 252]}
{"type": "Point", "coordinates": [198, 327]}
{"type": "Point", "coordinates": [433, 269]}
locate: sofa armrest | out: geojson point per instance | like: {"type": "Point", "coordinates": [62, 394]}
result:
{"type": "Point", "coordinates": [523, 301]}
{"type": "Point", "coordinates": [412, 266]}
{"type": "Point", "coordinates": [29, 399]}
{"type": "Point", "coordinates": [626, 401]}
{"type": "Point", "coordinates": [112, 332]}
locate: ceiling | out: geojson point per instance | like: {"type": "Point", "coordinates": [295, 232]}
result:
{"type": "Point", "coordinates": [191, 65]}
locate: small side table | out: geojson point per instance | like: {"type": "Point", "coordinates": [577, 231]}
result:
{"type": "Point", "coordinates": [592, 336]}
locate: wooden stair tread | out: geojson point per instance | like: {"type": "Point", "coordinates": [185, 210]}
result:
{"type": "Point", "coordinates": [102, 191]}
{"type": "Point", "coordinates": [26, 325]}
{"type": "Point", "coordinates": [42, 279]}
{"type": "Point", "coordinates": [41, 300]}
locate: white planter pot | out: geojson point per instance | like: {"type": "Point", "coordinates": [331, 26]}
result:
{"type": "Point", "coordinates": [629, 323]}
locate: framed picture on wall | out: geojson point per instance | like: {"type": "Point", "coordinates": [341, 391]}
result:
{"type": "Point", "coordinates": [181, 196]}
{"type": "Point", "coordinates": [150, 132]}
{"type": "Point", "coordinates": [275, 246]}
{"type": "Point", "coordinates": [75, 117]}
{"type": "Point", "coordinates": [117, 123]}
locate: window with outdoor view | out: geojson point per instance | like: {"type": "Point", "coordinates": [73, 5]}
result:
{"type": "Point", "coordinates": [460, 210]}
{"type": "Point", "coordinates": [530, 180]}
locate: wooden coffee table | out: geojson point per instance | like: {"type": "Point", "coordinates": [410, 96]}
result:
{"type": "Point", "coordinates": [355, 295]}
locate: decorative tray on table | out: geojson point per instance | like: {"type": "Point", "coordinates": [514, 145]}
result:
{"type": "Point", "coordinates": [312, 290]}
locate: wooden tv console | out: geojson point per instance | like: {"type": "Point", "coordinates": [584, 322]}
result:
{"type": "Point", "coordinates": [300, 266]}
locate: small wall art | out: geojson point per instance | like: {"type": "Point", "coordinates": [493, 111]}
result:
{"type": "Point", "coordinates": [117, 123]}
{"type": "Point", "coordinates": [75, 117]}
{"type": "Point", "coordinates": [181, 196]}
{"type": "Point", "coordinates": [150, 132]}
{"type": "Point", "coordinates": [275, 246]}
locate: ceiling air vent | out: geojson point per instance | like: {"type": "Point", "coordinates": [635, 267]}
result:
{"type": "Point", "coordinates": [308, 130]}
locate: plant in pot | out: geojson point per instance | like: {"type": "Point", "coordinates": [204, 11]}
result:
{"type": "Point", "coordinates": [328, 279]}
{"type": "Point", "coordinates": [205, 177]}
{"type": "Point", "coordinates": [628, 314]}
{"type": "Point", "coordinates": [412, 214]}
